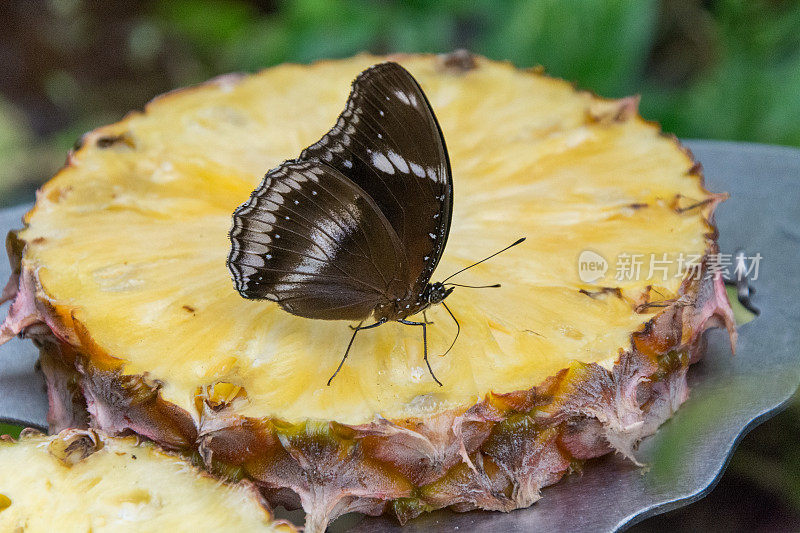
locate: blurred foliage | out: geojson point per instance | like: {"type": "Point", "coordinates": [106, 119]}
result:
{"type": "Point", "coordinates": [721, 69]}
{"type": "Point", "coordinates": [10, 429]}
{"type": "Point", "coordinates": [740, 313]}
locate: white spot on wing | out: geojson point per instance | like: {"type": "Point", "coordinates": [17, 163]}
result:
{"type": "Point", "coordinates": [307, 268]}
{"type": "Point", "coordinates": [382, 163]}
{"type": "Point", "coordinates": [408, 99]}
{"type": "Point", "coordinates": [398, 162]}
{"type": "Point", "coordinates": [417, 169]}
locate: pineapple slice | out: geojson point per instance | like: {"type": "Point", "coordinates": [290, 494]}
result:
{"type": "Point", "coordinates": [85, 481]}
{"type": "Point", "coordinates": [121, 277]}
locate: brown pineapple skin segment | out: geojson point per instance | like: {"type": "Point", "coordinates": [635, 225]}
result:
{"type": "Point", "coordinates": [496, 454]}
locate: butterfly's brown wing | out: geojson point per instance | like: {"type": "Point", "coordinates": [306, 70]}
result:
{"type": "Point", "coordinates": [388, 141]}
{"type": "Point", "coordinates": [312, 240]}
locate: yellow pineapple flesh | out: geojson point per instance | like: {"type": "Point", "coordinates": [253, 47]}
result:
{"type": "Point", "coordinates": [80, 481]}
{"type": "Point", "coordinates": [123, 259]}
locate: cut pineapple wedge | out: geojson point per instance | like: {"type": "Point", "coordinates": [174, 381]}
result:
{"type": "Point", "coordinates": [123, 259]}
{"type": "Point", "coordinates": [81, 481]}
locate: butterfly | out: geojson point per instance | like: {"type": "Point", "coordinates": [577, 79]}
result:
{"type": "Point", "coordinates": [355, 226]}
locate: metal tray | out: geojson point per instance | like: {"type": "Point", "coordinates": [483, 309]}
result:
{"type": "Point", "coordinates": [730, 394]}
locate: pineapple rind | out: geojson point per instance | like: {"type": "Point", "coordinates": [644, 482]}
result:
{"type": "Point", "coordinates": [438, 453]}
{"type": "Point", "coordinates": [85, 481]}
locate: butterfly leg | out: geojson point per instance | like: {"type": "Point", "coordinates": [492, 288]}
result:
{"type": "Point", "coordinates": [350, 345]}
{"type": "Point", "coordinates": [378, 323]}
{"type": "Point", "coordinates": [424, 344]}
{"type": "Point", "coordinates": [425, 318]}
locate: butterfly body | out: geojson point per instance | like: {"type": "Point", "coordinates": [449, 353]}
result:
{"type": "Point", "coordinates": [412, 303]}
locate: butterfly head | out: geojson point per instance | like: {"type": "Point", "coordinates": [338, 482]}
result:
{"type": "Point", "coordinates": [436, 293]}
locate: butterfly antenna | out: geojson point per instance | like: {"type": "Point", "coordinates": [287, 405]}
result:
{"type": "Point", "coordinates": [518, 241]}
{"type": "Point", "coordinates": [495, 286]}
{"type": "Point", "coordinates": [458, 329]}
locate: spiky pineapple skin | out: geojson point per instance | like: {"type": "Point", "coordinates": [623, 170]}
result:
{"type": "Point", "coordinates": [496, 454]}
